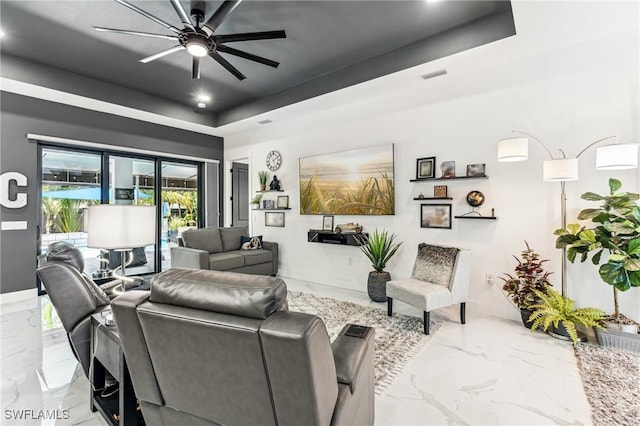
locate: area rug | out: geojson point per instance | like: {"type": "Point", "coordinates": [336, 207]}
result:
{"type": "Point", "coordinates": [611, 380]}
{"type": "Point", "coordinates": [397, 339]}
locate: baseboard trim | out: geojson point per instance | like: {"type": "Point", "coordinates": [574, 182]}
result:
{"type": "Point", "coordinates": [18, 296]}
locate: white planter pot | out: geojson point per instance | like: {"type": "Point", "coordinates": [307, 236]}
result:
{"type": "Point", "coordinates": [629, 342]}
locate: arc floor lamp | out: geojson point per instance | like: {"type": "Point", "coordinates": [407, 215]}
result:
{"type": "Point", "coordinates": [562, 169]}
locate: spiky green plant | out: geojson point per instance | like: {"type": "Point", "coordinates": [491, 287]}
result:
{"type": "Point", "coordinates": [263, 176]}
{"type": "Point", "coordinates": [379, 248]}
{"type": "Point", "coordinates": [555, 309]}
{"type": "Point", "coordinates": [256, 200]}
{"type": "Point", "coordinates": [70, 215]}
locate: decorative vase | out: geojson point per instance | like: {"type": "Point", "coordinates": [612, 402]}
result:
{"type": "Point", "coordinates": [377, 285]}
{"type": "Point", "coordinates": [526, 313]}
{"type": "Point", "coordinates": [263, 187]}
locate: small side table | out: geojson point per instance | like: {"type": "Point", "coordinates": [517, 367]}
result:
{"type": "Point", "coordinates": [107, 356]}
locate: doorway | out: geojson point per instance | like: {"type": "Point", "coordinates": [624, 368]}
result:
{"type": "Point", "coordinates": [240, 194]}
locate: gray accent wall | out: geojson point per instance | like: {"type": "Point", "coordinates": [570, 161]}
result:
{"type": "Point", "coordinates": [20, 115]}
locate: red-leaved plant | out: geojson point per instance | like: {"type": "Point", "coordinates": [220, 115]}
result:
{"type": "Point", "coordinates": [530, 276]}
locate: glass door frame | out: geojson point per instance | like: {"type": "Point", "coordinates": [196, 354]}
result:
{"type": "Point", "coordinates": [105, 154]}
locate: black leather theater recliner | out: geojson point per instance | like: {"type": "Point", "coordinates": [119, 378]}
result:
{"type": "Point", "coordinates": [221, 348]}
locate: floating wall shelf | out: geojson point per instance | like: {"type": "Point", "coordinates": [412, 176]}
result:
{"type": "Point", "coordinates": [450, 178]}
{"type": "Point", "coordinates": [274, 209]}
{"type": "Point", "coordinates": [272, 190]}
{"type": "Point", "coordinates": [476, 217]}
{"type": "Point", "coordinates": [432, 198]}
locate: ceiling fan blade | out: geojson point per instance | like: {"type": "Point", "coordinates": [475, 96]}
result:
{"type": "Point", "coordinates": [148, 15]}
{"type": "Point", "coordinates": [222, 61]}
{"type": "Point", "coordinates": [137, 33]}
{"type": "Point", "coordinates": [195, 72]}
{"type": "Point", "coordinates": [223, 11]}
{"type": "Point", "coordinates": [262, 35]}
{"type": "Point", "coordinates": [161, 54]}
{"type": "Point", "coordinates": [182, 14]}
{"type": "Point", "coordinates": [247, 55]}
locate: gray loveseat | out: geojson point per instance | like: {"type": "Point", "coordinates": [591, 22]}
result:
{"type": "Point", "coordinates": [219, 249]}
{"type": "Point", "coordinates": [219, 348]}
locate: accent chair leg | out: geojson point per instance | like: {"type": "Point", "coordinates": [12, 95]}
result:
{"type": "Point", "coordinates": [425, 321]}
{"type": "Point", "coordinates": [389, 306]}
{"type": "Point", "coordinates": [463, 318]}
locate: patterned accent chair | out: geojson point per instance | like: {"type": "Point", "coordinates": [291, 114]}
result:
{"type": "Point", "coordinates": [440, 278]}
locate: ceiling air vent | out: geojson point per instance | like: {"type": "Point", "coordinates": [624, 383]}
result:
{"type": "Point", "coordinates": [265, 122]}
{"type": "Point", "coordinates": [434, 74]}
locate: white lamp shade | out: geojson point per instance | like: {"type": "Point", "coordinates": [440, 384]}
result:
{"type": "Point", "coordinates": [617, 157]}
{"type": "Point", "coordinates": [513, 149]}
{"type": "Point", "coordinates": [560, 170]}
{"type": "Point", "coordinates": [120, 226]}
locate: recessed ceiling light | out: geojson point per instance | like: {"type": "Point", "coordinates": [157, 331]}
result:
{"type": "Point", "coordinates": [201, 97]}
{"type": "Point", "coordinates": [1, 33]}
{"type": "Point", "coordinates": [432, 1]}
{"type": "Point", "coordinates": [201, 105]}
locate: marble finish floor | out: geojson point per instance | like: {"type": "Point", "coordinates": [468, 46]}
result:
{"type": "Point", "coordinates": [488, 372]}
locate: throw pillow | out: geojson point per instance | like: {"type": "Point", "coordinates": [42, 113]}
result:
{"type": "Point", "coordinates": [250, 243]}
{"type": "Point", "coordinates": [435, 264]}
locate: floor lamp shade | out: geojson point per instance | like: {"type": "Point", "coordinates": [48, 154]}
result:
{"type": "Point", "coordinates": [560, 170]}
{"type": "Point", "coordinates": [120, 226]}
{"type": "Point", "coordinates": [617, 157]}
{"type": "Point", "coordinates": [513, 149]}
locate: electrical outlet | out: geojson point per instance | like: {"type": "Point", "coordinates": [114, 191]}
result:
{"type": "Point", "coordinates": [490, 278]}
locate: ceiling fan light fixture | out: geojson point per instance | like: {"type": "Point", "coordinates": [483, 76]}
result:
{"type": "Point", "coordinates": [197, 49]}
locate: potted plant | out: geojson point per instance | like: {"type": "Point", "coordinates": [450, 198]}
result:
{"type": "Point", "coordinates": [615, 232]}
{"type": "Point", "coordinates": [173, 224]}
{"type": "Point", "coordinates": [256, 201]}
{"type": "Point", "coordinates": [263, 176]}
{"type": "Point", "coordinates": [530, 277]}
{"type": "Point", "coordinates": [557, 311]}
{"type": "Point", "coordinates": [379, 247]}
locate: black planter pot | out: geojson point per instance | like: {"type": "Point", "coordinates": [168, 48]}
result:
{"type": "Point", "coordinates": [377, 285]}
{"type": "Point", "coordinates": [526, 313]}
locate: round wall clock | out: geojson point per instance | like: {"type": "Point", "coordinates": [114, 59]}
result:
{"type": "Point", "coordinates": [475, 198]}
{"type": "Point", "coordinates": [274, 160]}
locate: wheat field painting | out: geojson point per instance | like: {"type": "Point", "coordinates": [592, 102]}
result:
{"type": "Point", "coordinates": [357, 182]}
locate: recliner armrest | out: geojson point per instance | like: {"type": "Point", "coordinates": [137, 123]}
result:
{"type": "Point", "coordinates": [350, 355]}
{"type": "Point", "coordinates": [184, 257]}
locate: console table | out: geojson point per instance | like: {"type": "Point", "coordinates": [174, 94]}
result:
{"type": "Point", "coordinates": [329, 237]}
{"type": "Point", "coordinates": [107, 356]}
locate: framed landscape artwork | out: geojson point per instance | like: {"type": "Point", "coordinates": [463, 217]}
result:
{"type": "Point", "coordinates": [357, 182]}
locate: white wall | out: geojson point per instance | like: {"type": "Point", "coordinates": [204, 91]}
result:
{"type": "Point", "coordinates": [567, 97]}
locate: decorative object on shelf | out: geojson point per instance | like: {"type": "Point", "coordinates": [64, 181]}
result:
{"type": "Point", "coordinates": [274, 219]}
{"type": "Point", "coordinates": [283, 202]}
{"type": "Point", "coordinates": [435, 216]}
{"type": "Point", "coordinates": [608, 157]}
{"type": "Point", "coordinates": [448, 169]}
{"type": "Point", "coordinates": [274, 160]}
{"type": "Point", "coordinates": [268, 204]}
{"type": "Point", "coordinates": [425, 168]}
{"type": "Point", "coordinates": [379, 247]}
{"type": "Point", "coordinates": [327, 223]}
{"type": "Point", "coordinates": [263, 176]}
{"type": "Point", "coordinates": [256, 200]}
{"type": "Point", "coordinates": [363, 178]}
{"type": "Point", "coordinates": [529, 276]}
{"type": "Point", "coordinates": [616, 232]}
{"type": "Point", "coordinates": [440, 191]}
{"type": "Point", "coordinates": [475, 199]}
{"type": "Point", "coordinates": [476, 170]}
{"type": "Point", "coordinates": [349, 227]}
{"type": "Point", "coordinates": [275, 184]}
{"type": "Point", "coordinates": [420, 196]}
{"type": "Point", "coordinates": [557, 311]}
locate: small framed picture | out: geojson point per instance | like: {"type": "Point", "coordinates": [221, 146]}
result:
{"type": "Point", "coordinates": [440, 191]}
{"type": "Point", "coordinates": [435, 216]}
{"type": "Point", "coordinates": [283, 202]}
{"type": "Point", "coordinates": [274, 219]}
{"type": "Point", "coordinates": [425, 168]}
{"type": "Point", "coordinates": [475, 170]}
{"type": "Point", "coordinates": [268, 204]}
{"type": "Point", "coordinates": [448, 169]}
{"type": "Point", "coordinates": [327, 223]}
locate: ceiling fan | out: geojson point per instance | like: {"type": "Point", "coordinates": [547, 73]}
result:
{"type": "Point", "coordinates": [198, 38]}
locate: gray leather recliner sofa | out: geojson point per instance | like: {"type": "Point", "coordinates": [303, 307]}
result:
{"type": "Point", "coordinates": [218, 249]}
{"type": "Point", "coordinates": [221, 348]}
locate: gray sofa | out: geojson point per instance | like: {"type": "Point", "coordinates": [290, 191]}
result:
{"type": "Point", "coordinates": [218, 249]}
{"type": "Point", "coordinates": [220, 348]}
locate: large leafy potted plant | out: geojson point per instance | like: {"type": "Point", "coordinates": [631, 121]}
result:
{"type": "Point", "coordinates": [558, 311]}
{"type": "Point", "coordinates": [379, 247]}
{"type": "Point", "coordinates": [530, 277]}
{"type": "Point", "coordinates": [615, 233]}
